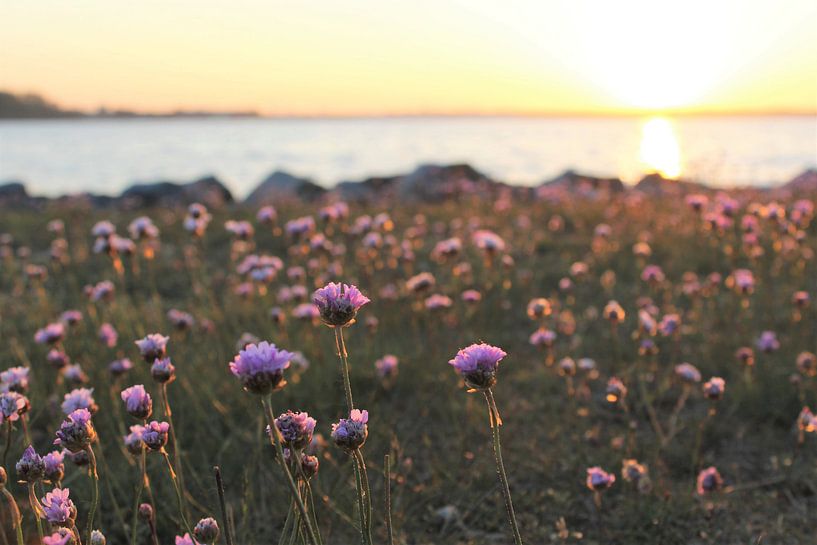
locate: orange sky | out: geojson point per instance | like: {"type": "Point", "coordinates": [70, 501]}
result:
{"type": "Point", "coordinates": [372, 57]}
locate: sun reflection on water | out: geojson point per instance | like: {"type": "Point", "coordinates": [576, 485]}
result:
{"type": "Point", "coordinates": [659, 150]}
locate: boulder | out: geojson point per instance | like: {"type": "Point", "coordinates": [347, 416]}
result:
{"type": "Point", "coordinates": [805, 182]}
{"type": "Point", "coordinates": [208, 191]}
{"type": "Point", "coordinates": [581, 184]}
{"type": "Point", "coordinates": [656, 185]}
{"type": "Point", "coordinates": [282, 186]}
{"type": "Point", "coordinates": [433, 182]}
{"type": "Point", "coordinates": [368, 190]}
{"type": "Point", "coordinates": [13, 194]}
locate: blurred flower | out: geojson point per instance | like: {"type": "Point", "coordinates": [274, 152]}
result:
{"type": "Point", "coordinates": [155, 435]}
{"type": "Point", "coordinates": [138, 403]}
{"type": "Point", "coordinates": [153, 346]}
{"type": "Point", "coordinates": [598, 479]}
{"type": "Point", "coordinates": [350, 433]}
{"type": "Point", "coordinates": [767, 342]}
{"type": "Point", "coordinates": [260, 367]}
{"type": "Point", "coordinates": [79, 398]}
{"type": "Point", "coordinates": [338, 303]}
{"type": "Point", "coordinates": [386, 366]}
{"type": "Point", "coordinates": [76, 432]}
{"type": "Point", "coordinates": [53, 465]}
{"type": "Point", "coordinates": [50, 334]}
{"type": "Point", "coordinates": [714, 388]}
{"type": "Point", "coordinates": [687, 373]}
{"type": "Point", "coordinates": [296, 429]}
{"type": "Point", "coordinates": [709, 480]}
{"type": "Point", "coordinates": [58, 507]}
{"type": "Point", "coordinates": [108, 335]}
{"type": "Point", "coordinates": [30, 468]}
{"type": "Point", "coordinates": [163, 371]}
{"type": "Point", "coordinates": [14, 379]}
{"type": "Point", "coordinates": [478, 364]}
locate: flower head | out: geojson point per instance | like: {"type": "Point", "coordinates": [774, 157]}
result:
{"type": "Point", "coordinates": [76, 431]}
{"type": "Point", "coordinates": [296, 429]}
{"type": "Point", "coordinates": [155, 435]}
{"type": "Point", "coordinates": [62, 536]}
{"type": "Point", "coordinates": [153, 346]}
{"type": "Point", "coordinates": [50, 334]}
{"type": "Point", "coordinates": [30, 468]}
{"type": "Point", "coordinates": [477, 364]}
{"type": "Point", "coordinates": [137, 402]}
{"type": "Point", "coordinates": [12, 405]}
{"type": "Point", "coordinates": [15, 379]}
{"type": "Point", "coordinates": [133, 440]}
{"type": "Point", "coordinates": [598, 479]}
{"type": "Point", "coordinates": [206, 530]}
{"type": "Point", "coordinates": [260, 367]}
{"type": "Point", "coordinates": [386, 366]}
{"type": "Point", "coordinates": [119, 367]}
{"type": "Point", "coordinates": [714, 388]}
{"type": "Point", "coordinates": [79, 398]}
{"type": "Point", "coordinates": [350, 433]}
{"type": "Point", "coordinates": [163, 371]}
{"type": "Point", "coordinates": [58, 507]}
{"type": "Point", "coordinates": [688, 373]}
{"type": "Point", "coordinates": [338, 303]}
{"type": "Point", "coordinates": [54, 466]}
{"type": "Point", "coordinates": [709, 480]}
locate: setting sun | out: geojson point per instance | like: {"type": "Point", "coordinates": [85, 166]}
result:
{"type": "Point", "coordinates": [659, 151]}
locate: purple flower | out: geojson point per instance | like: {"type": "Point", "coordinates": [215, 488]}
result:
{"type": "Point", "coordinates": [542, 337]}
{"type": "Point", "coordinates": [79, 398]}
{"type": "Point", "coordinates": [488, 241]}
{"type": "Point", "coordinates": [296, 429]}
{"type": "Point", "coordinates": [137, 402]}
{"type": "Point", "coordinates": [108, 335]}
{"type": "Point", "coordinates": [709, 480]}
{"type": "Point", "coordinates": [478, 365]}
{"type": "Point", "coordinates": [15, 379]}
{"type": "Point", "coordinates": [163, 371]}
{"type": "Point", "coordinates": [50, 334]}
{"type": "Point", "coordinates": [63, 536]}
{"type": "Point", "coordinates": [155, 435]}
{"type": "Point", "coordinates": [350, 433]}
{"type": "Point", "coordinates": [386, 366]}
{"type": "Point", "coordinates": [688, 372]}
{"type": "Point", "coordinates": [71, 317]}
{"type": "Point", "coordinates": [133, 441]}
{"type": "Point", "coordinates": [598, 479]}
{"type": "Point", "coordinates": [74, 374]}
{"type": "Point", "coordinates": [57, 358]}
{"type": "Point", "coordinates": [76, 432]}
{"type": "Point", "coordinates": [12, 405]}
{"type": "Point", "coordinates": [206, 530]}
{"type": "Point", "coordinates": [30, 468]}
{"type": "Point", "coordinates": [338, 303]}
{"type": "Point", "coordinates": [616, 391]}
{"type": "Point", "coordinates": [54, 466]}
{"type": "Point", "coordinates": [152, 346]}
{"type": "Point", "coordinates": [119, 367]}
{"type": "Point", "coordinates": [767, 342]}
{"type": "Point", "coordinates": [714, 388]}
{"type": "Point", "coordinates": [59, 509]}
{"type": "Point", "coordinates": [260, 367]}
{"type": "Point", "coordinates": [185, 540]}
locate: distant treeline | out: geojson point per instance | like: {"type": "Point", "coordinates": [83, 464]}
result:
{"type": "Point", "coordinates": [33, 106]}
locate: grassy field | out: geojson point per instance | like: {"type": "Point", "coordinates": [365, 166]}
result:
{"type": "Point", "coordinates": [443, 480]}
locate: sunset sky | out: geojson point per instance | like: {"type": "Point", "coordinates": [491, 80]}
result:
{"type": "Point", "coordinates": [373, 57]}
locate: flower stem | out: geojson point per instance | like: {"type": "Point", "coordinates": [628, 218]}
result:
{"type": "Point", "coordinates": [360, 505]}
{"type": "Point", "coordinates": [177, 454]}
{"type": "Point", "coordinates": [8, 443]}
{"type": "Point", "coordinates": [175, 479]}
{"type": "Point", "coordinates": [17, 518]}
{"type": "Point", "coordinates": [95, 499]}
{"type": "Point", "coordinates": [344, 360]}
{"type": "Point", "coordinates": [266, 401]}
{"type": "Point", "coordinates": [139, 490]}
{"type": "Point", "coordinates": [39, 513]}
{"type": "Point", "coordinates": [493, 414]}
{"type": "Point", "coordinates": [387, 471]}
{"type": "Point", "coordinates": [366, 492]}
{"type": "Point", "coordinates": [228, 535]}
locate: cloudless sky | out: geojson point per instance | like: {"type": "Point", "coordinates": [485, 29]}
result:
{"type": "Point", "coordinates": [371, 57]}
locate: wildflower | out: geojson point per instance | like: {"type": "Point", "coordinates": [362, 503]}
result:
{"type": "Point", "coordinates": [260, 367]}
{"type": "Point", "coordinates": [767, 342]}
{"type": "Point", "coordinates": [306, 312]}
{"type": "Point", "coordinates": [709, 480]}
{"type": "Point", "coordinates": [539, 308]}
{"type": "Point", "coordinates": [598, 479]}
{"type": "Point", "coordinates": [714, 388]}
{"type": "Point", "coordinates": [420, 282]}
{"type": "Point", "coordinates": [12, 405]}
{"type": "Point", "coordinates": [206, 530]}
{"type": "Point", "coordinates": [542, 337]}
{"type": "Point", "coordinates": [163, 371]}
{"type": "Point", "coordinates": [54, 468]}
{"type": "Point", "coordinates": [30, 468]}
{"type": "Point", "coordinates": [350, 433]}
{"type": "Point", "coordinates": [567, 367]}
{"type": "Point", "coordinates": [185, 540]}
{"type": "Point", "coordinates": [488, 241]}
{"type": "Point", "coordinates": [338, 303]}
{"type": "Point", "coordinates": [133, 441]}
{"type": "Point", "coordinates": [807, 363]}
{"type": "Point", "coordinates": [688, 373]}
{"type": "Point", "coordinates": [181, 320]}
{"type": "Point", "coordinates": [616, 391]}
{"type": "Point", "coordinates": [58, 507]}
{"type": "Point", "coordinates": [57, 358]}
{"type": "Point", "coordinates": [62, 536]}
{"type": "Point", "coordinates": [386, 366]}
{"type": "Point", "coordinates": [50, 334]}
{"type": "Point", "coordinates": [266, 215]}
{"type": "Point", "coordinates": [76, 432]}
{"type": "Point", "coordinates": [471, 296]}
{"type": "Point", "coordinates": [309, 465]}
{"type": "Point", "coordinates": [652, 274]}
{"type": "Point", "coordinates": [15, 379]}
{"type": "Point", "coordinates": [97, 538]}
{"type": "Point", "coordinates": [806, 421]}
{"type": "Point", "coordinates": [296, 429]}
{"type": "Point", "coordinates": [669, 324]}
{"type": "Point", "coordinates": [613, 312]}
{"type": "Point", "coordinates": [153, 346]}
{"type": "Point", "coordinates": [478, 364]}
{"type": "Point", "coordinates": [71, 317]}
{"type": "Point", "coordinates": [155, 435]}
{"type": "Point", "coordinates": [143, 228]}
{"type": "Point", "coordinates": [137, 402]}
{"type": "Point", "coordinates": [74, 374]}
{"type": "Point", "coordinates": [438, 301]}
{"type": "Point", "coordinates": [79, 398]}
{"type": "Point", "coordinates": [632, 471]}
{"type": "Point", "coordinates": [119, 367]}
{"type": "Point", "coordinates": [746, 356]}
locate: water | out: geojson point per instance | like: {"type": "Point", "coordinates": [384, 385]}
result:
{"type": "Point", "coordinates": [106, 155]}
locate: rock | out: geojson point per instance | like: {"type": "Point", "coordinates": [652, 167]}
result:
{"type": "Point", "coordinates": [803, 183]}
{"type": "Point", "coordinates": [368, 190]}
{"type": "Point", "coordinates": [13, 194]}
{"type": "Point", "coordinates": [433, 182]}
{"type": "Point", "coordinates": [282, 186]}
{"type": "Point", "coordinates": [584, 185]}
{"type": "Point", "coordinates": [656, 185]}
{"type": "Point", "coordinates": [208, 191]}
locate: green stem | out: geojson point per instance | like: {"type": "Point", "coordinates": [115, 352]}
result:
{"type": "Point", "coordinates": [177, 455]}
{"type": "Point", "coordinates": [228, 534]}
{"type": "Point", "coordinates": [266, 401]}
{"type": "Point", "coordinates": [364, 477]}
{"type": "Point", "coordinates": [95, 499]}
{"type": "Point", "coordinates": [360, 505]}
{"type": "Point", "coordinates": [8, 443]}
{"type": "Point", "coordinates": [387, 470]}
{"type": "Point", "coordinates": [39, 513]}
{"type": "Point", "coordinates": [139, 490]}
{"type": "Point", "coordinates": [178, 489]}
{"type": "Point", "coordinates": [344, 360]}
{"type": "Point", "coordinates": [493, 414]}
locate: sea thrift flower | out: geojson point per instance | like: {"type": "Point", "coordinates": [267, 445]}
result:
{"type": "Point", "coordinates": [180, 320]}
{"type": "Point", "coordinates": [438, 301]}
{"type": "Point", "coordinates": [133, 440]}
{"type": "Point", "coordinates": [420, 282]}
{"type": "Point", "coordinates": [350, 433]}
{"type": "Point", "coordinates": [206, 530]}
{"type": "Point", "coordinates": [14, 379]}
{"type": "Point", "coordinates": [12, 405]}
{"type": "Point", "coordinates": [153, 346]}
{"type": "Point", "coordinates": [74, 374]}
{"type": "Point", "coordinates": [296, 429]}
{"type": "Point", "coordinates": [155, 435]}
{"type": "Point", "coordinates": [57, 358]}
{"type": "Point", "coordinates": [471, 296]}
{"type": "Point", "coordinates": [669, 324]}
{"type": "Point", "coordinates": [63, 536]}
{"type": "Point", "coordinates": [709, 480]}
{"type": "Point", "coordinates": [143, 228]}
{"type": "Point", "coordinates": [807, 363]}
{"type": "Point", "coordinates": [163, 371]}
{"type": "Point", "coordinates": [50, 334]}
{"type": "Point", "coordinates": [137, 402]}
{"type": "Point", "coordinates": [71, 317]}
{"type": "Point", "coordinates": [746, 356]}
{"type": "Point", "coordinates": [185, 540]}
{"type": "Point", "coordinates": [30, 468]}
{"type": "Point", "coordinates": [338, 303]}
{"type": "Point", "coordinates": [488, 241]}
{"type": "Point", "coordinates": [598, 479]}
{"type": "Point", "coordinates": [652, 274]}
{"type": "Point", "coordinates": [58, 507]}
{"type": "Point", "coordinates": [539, 308]}
{"type": "Point", "coordinates": [309, 465]}
{"type": "Point", "coordinates": [767, 342]}
{"type": "Point", "coordinates": [54, 468]}
{"type": "Point", "coordinates": [632, 471]}
{"type": "Point", "coordinates": [714, 388]}
{"type": "Point", "coordinates": [117, 368]}
{"type": "Point", "coordinates": [477, 364]}
{"type": "Point", "coordinates": [80, 398]}
{"type": "Point", "coordinates": [616, 391]}
{"type": "Point", "coordinates": [542, 337]}
{"type": "Point", "coordinates": [386, 366]}
{"type": "Point", "coordinates": [688, 373]}
{"type": "Point", "coordinates": [613, 312]}
{"type": "Point", "coordinates": [97, 538]}
{"type": "Point", "coordinates": [76, 432]}
{"type": "Point", "coordinates": [260, 367]}
{"type": "Point", "coordinates": [806, 421]}
{"type": "Point", "coordinates": [266, 215]}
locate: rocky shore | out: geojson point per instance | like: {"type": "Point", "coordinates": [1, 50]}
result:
{"type": "Point", "coordinates": [425, 183]}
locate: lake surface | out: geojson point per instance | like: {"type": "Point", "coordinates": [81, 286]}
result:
{"type": "Point", "coordinates": [106, 155]}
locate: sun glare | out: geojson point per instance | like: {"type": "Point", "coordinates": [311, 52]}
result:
{"type": "Point", "coordinates": [659, 151]}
